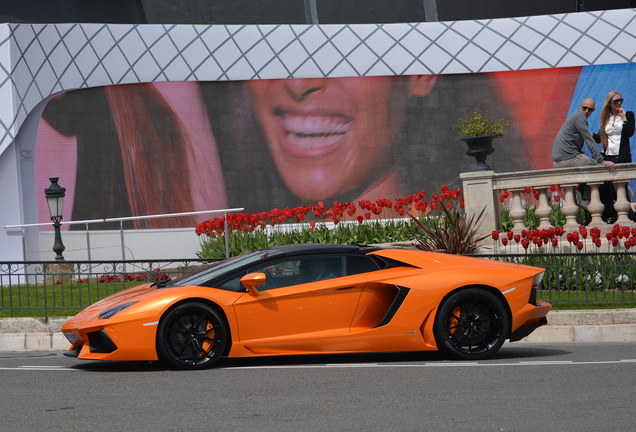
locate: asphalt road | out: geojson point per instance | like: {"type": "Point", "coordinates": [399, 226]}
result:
{"type": "Point", "coordinates": [528, 387]}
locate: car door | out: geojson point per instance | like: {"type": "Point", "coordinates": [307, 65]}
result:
{"type": "Point", "coordinates": [295, 303]}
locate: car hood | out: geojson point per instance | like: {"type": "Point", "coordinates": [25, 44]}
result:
{"type": "Point", "coordinates": [124, 296]}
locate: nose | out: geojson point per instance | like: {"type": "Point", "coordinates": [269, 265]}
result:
{"type": "Point", "coordinates": [300, 89]}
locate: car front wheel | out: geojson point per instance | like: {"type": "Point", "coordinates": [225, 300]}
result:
{"type": "Point", "coordinates": [191, 336]}
{"type": "Point", "coordinates": [471, 324]}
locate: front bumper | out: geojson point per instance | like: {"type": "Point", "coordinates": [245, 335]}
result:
{"type": "Point", "coordinates": [129, 340]}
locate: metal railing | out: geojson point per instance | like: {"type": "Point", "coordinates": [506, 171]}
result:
{"type": "Point", "coordinates": [589, 280]}
{"type": "Point", "coordinates": [121, 221]}
{"type": "Point", "coordinates": [52, 288]}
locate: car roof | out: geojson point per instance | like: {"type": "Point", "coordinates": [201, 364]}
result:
{"type": "Point", "coordinates": [320, 248]}
{"type": "Point", "coordinates": [273, 253]}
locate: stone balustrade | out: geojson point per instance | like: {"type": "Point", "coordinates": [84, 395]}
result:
{"type": "Point", "coordinates": [481, 192]}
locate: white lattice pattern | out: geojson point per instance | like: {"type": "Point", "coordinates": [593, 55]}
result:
{"type": "Point", "coordinates": [37, 61]}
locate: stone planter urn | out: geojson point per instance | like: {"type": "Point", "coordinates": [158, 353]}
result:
{"type": "Point", "coordinates": [480, 147]}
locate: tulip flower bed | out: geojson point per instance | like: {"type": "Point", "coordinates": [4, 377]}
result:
{"type": "Point", "coordinates": [383, 221]}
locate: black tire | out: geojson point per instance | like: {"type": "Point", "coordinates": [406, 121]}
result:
{"type": "Point", "coordinates": [191, 336]}
{"type": "Point", "coordinates": [471, 324]}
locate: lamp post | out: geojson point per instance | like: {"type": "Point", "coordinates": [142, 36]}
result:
{"type": "Point", "coordinates": [55, 199]}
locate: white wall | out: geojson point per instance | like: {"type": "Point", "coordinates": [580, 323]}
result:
{"type": "Point", "coordinates": [11, 242]}
{"type": "Point", "coordinates": [106, 245]}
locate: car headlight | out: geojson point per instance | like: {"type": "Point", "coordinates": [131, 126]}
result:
{"type": "Point", "coordinates": [112, 311]}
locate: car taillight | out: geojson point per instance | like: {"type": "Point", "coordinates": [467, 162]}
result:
{"type": "Point", "coordinates": [536, 282]}
{"type": "Point", "coordinates": [71, 337]}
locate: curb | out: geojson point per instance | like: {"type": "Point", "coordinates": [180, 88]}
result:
{"type": "Point", "coordinates": [594, 325]}
{"type": "Point", "coordinates": [583, 333]}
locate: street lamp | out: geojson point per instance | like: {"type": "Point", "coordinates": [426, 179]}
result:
{"type": "Point", "coordinates": [55, 199]}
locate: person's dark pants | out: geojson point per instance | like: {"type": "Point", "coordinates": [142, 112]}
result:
{"type": "Point", "coordinates": [608, 195]}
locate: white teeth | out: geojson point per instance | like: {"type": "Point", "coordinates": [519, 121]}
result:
{"type": "Point", "coordinates": [313, 142]}
{"type": "Point", "coordinates": [316, 126]}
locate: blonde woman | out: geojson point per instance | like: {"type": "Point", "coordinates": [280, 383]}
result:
{"type": "Point", "coordinates": [617, 126]}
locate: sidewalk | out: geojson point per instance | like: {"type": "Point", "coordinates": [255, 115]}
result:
{"type": "Point", "coordinates": [594, 325]}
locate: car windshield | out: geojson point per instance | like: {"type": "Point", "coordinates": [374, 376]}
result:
{"type": "Point", "coordinates": [220, 268]}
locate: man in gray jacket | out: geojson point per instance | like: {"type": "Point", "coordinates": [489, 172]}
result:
{"type": "Point", "coordinates": [567, 150]}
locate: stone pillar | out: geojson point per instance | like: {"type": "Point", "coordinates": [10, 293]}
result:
{"type": "Point", "coordinates": [622, 205]}
{"type": "Point", "coordinates": [479, 196]}
{"type": "Point", "coordinates": [517, 212]}
{"type": "Point", "coordinates": [570, 209]}
{"type": "Point", "coordinates": [595, 207]}
{"type": "Point", "coordinates": [59, 272]}
{"type": "Point", "coordinates": [543, 210]}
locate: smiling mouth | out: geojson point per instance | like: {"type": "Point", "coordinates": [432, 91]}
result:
{"type": "Point", "coordinates": [313, 133]}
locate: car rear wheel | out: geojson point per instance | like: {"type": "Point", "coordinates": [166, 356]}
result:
{"type": "Point", "coordinates": [471, 324]}
{"type": "Point", "coordinates": [191, 336]}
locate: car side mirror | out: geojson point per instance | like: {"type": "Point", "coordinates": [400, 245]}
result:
{"type": "Point", "coordinates": [252, 280]}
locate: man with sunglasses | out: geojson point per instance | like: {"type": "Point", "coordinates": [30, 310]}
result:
{"type": "Point", "coordinates": [567, 150]}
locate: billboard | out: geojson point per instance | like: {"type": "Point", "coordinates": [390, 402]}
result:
{"type": "Point", "coordinates": [154, 148]}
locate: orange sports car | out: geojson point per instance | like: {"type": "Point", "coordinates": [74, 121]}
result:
{"type": "Point", "coordinates": [315, 299]}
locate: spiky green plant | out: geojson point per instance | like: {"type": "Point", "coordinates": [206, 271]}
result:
{"type": "Point", "coordinates": [453, 232]}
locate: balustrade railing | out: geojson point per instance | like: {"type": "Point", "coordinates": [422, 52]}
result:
{"type": "Point", "coordinates": [481, 192]}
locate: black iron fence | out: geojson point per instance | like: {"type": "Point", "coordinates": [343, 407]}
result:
{"type": "Point", "coordinates": [583, 280]}
{"type": "Point", "coordinates": [54, 288]}
{"type": "Point", "coordinates": [63, 288]}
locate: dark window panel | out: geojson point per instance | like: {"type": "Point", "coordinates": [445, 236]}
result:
{"type": "Point", "coordinates": [370, 11]}
{"type": "Point", "coordinates": [70, 11]}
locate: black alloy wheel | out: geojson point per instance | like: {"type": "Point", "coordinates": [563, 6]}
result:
{"type": "Point", "coordinates": [472, 324]}
{"type": "Point", "coordinates": [191, 336]}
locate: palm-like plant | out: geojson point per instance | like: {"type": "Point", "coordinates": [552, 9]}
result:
{"type": "Point", "coordinates": [453, 232]}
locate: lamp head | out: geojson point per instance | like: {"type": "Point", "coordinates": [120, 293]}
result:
{"type": "Point", "coordinates": [55, 198]}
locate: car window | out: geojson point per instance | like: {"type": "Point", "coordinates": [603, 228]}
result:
{"type": "Point", "coordinates": [357, 264]}
{"type": "Point", "coordinates": [232, 284]}
{"type": "Point", "coordinates": [300, 270]}
{"type": "Point", "coordinates": [208, 274]}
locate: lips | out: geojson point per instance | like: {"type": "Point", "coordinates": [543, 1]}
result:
{"type": "Point", "coordinates": [311, 135]}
